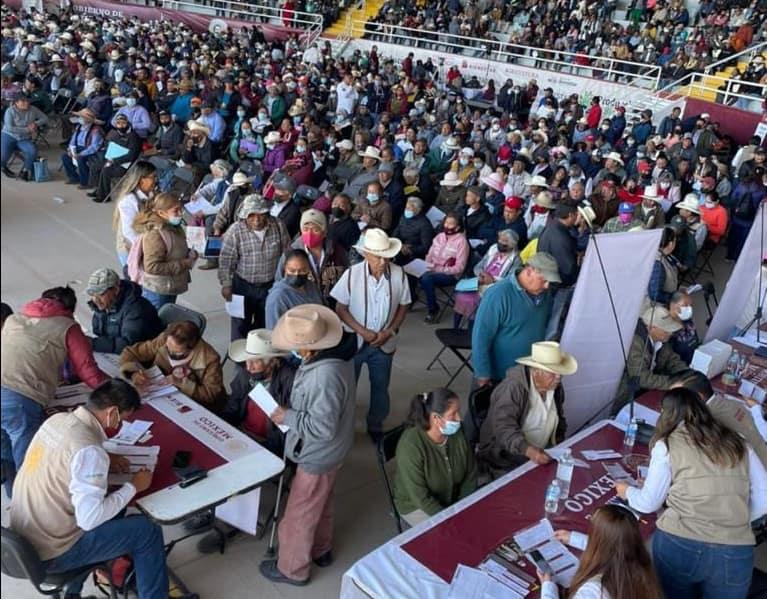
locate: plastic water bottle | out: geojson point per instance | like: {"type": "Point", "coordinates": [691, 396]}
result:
{"type": "Point", "coordinates": [552, 498]}
{"type": "Point", "coordinates": [742, 366]}
{"type": "Point", "coordinates": [731, 371]}
{"type": "Point", "coordinates": [631, 436]}
{"type": "Point", "coordinates": [565, 473]}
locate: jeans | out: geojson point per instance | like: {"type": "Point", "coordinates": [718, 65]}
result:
{"type": "Point", "coordinates": [135, 535]}
{"type": "Point", "coordinates": [80, 173]}
{"type": "Point", "coordinates": [690, 569]}
{"type": "Point", "coordinates": [21, 417]}
{"type": "Point", "coordinates": [379, 373]}
{"type": "Point", "coordinates": [429, 281]}
{"type": "Point", "coordinates": [158, 300]}
{"type": "Point", "coordinates": [9, 144]}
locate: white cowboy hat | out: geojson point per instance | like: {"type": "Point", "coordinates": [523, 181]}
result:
{"type": "Point", "coordinates": [309, 326]}
{"type": "Point", "coordinates": [544, 200]}
{"type": "Point", "coordinates": [615, 156]}
{"type": "Point", "coordinates": [297, 108]}
{"type": "Point", "coordinates": [548, 356]}
{"type": "Point", "coordinates": [690, 203]}
{"type": "Point", "coordinates": [370, 152]}
{"type": "Point", "coordinates": [538, 181]}
{"type": "Point", "coordinates": [345, 144]}
{"type": "Point", "coordinates": [197, 126]}
{"type": "Point", "coordinates": [651, 193]}
{"type": "Point", "coordinates": [588, 214]}
{"type": "Point", "coordinates": [239, 179]}
{"type": "Point", "coordinates": [494, 181]}
{"type": "Point", "coordinates": [452, 144]}
{"type": "Point", "coordinates": [378, 243]}
{"type": "Point", "coordinates": [451, 180]}
{"type": "Point", "coordinates": [257, 345]}
{"type": "Point", "coordinates": [272, 137]}
{"type": "Point", "coordinates": [467, 152]}
{"type": "Point", "coordinates": [88, 45]}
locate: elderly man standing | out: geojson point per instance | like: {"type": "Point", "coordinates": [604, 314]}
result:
{"type": "Point", "coordinates": [321, 433]}
{"type": "Point", "coordinates": [526, 414]}
{"type": "Point", "coordinates": [249, 256]}
{"type": "Point", "coordinates": [372, 300]}
{"type": "Point", "coordinates": [21, 123]}
{"type": "Point", "coordinates": [511, 317]}
{"type": "Point", "coordinates": [121, 316]}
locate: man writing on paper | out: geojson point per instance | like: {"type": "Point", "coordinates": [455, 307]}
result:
{"type": "Point", "coordinates": [60, 502]}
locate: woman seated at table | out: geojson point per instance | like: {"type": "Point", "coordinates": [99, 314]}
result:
{"type": "Point", "coordinates": [614, 564]}
{"type": "Point", "coordinates": [435, 465]}
{"type": "Point", "coordinates": [188, 362]}
{"type": "Point", "coordinates": [501, 260]}
{"type": "Point", "coordinates": [446, 259]}
{"type": "Point", "coordinates": [293, 289]}
{"type": "Point", "coordinates": [705, 474]}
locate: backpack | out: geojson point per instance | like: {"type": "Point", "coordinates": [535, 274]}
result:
{"type": "Point", "coordinates": [745, 207]}
{"type": "Point", "coordinates": [136, 256]}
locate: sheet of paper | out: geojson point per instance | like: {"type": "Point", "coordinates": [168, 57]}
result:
{"type": "Point", "coordinates": [617, 472]}
{"type": "Point", "coordinates": [150, 451]}
{"type": "Point", "coordinates": [157, 386]}
{"type": "Point", "coordinates": [68, 396]}
{"type": "Point", "coordinates": [416, 267]}
{"type": "Point", "coordinates": [435, 216]}
{"type": "Point", "coordinates": [751, 339]}
{"type": "Point", "coordinates": [115, 151]}
{"type": "Point", "coordinates": [749, 389]}
{"type": "Point", "coordinates": [195, 239]}
{"type": "Point", "coordinates": [557, 452]}
{"type": "Point", "coordinates": [131, 432]}
{"type": "Point", "coordinates": [264, 400]}
{"type": "Point", "coordinates": [534, 535]}
{"type": "Point", "coordinates": [470, 583]}
{"type": "Point", "coordinates": [468, 285]}
{"type": "Point", "coordinates": [512, 583]}
{"type": "Point", "coordinates": [595, 455]}
{"type": "Point", "coordinates": [236, 308]}
{"type": "Point", "coordinates": [475, 243]}
{"type": "Point", "coordinates": [201, 205]}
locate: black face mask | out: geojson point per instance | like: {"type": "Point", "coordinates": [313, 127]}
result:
{"type": "Point", "coordinates": [296, 280]}
{"type": "Point", "coordinates": [122, 129]}
{"type": "Point", "coordinates": [338, 212]}
{"type": "Point", "coordinates": [502, 247]}
{"type": "Point", "coordinates": [177, 356]}
{"type": "Point", "coordinates": [257, 377]}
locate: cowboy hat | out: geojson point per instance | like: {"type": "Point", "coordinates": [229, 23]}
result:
{"type": "Point", "coordinates": [548, 356]}
{"type": "Point", "coordinates": [56, 58]}
{"type": "Point", "coordinates": [88, 45]}
{"type": "Point", "coordinates": [297, 108]}
{"type": "Point", "coordinates": [658, 316]}
{"type": "Point", "coordinates": [378, 243]}
{"type": "Point", "coordinates": [272, 137]}
{"type": "Point", "coordinates": [690, 203]}
{"type": "Point", "coordinates": [651, 193]}
{"type": "Point", "coordinates": [616, 157]}
{"type": "Point", "coordinates": [198, 126]}
{"type": "Point", "coordinates": [370, 152]}
{"type": "Point", "coordinates": [544, 200]}
{"type": "Point", "coordinates": [88, 115]}
{"type": "Point", "coordinates": [253, 204]}
{"type": "Point", "coordinates": [257, 346]}
{"type": "Point", "coordinates": [452, 144]}
{"type": "Point", "coordinates": [538, 181]}
{"type": "Point", "coordinates": [588, 214]}
{"type": "Point", "coordinates": [493, 180]}
{"type": "Point", "coordinates": [309, 326]}
{"type": "Point", "coordinates": [451, 180]}
{"type": "Point", "coordinates": [345, 144]}
{"type": "Point", "coordinates": [239, 179]}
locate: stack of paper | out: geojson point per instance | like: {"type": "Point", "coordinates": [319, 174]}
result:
{"type": "Point", "coordinates": [195, 236]}
{"type": "Point", "coordinates": [140, 458]}
{"type": "Point", "coordinates": [68, 396]}
{"type": "Point", "coordinates": [470, 583]}
{"type": "Point", "coordinates": [595, 455]}
{"type": "Point", "coordinates": [131, 432]}
{"type": "Point", "coordinates": [540, 537]}
{"type": "Point", "coordinates": [157, 386]}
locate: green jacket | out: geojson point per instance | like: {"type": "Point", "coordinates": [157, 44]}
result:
{"type": "Point", "coordinates": [668, 365]}
{"type": "Point", "coordinates": [431, 477]}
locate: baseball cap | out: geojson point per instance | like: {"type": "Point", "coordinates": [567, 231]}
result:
{"type": "Point", "coordinates": [544, 263]}
{"type": "Point", "coordinates": [101, 280]}
{"type": "Point", "coordinates": [514, 202]}
{"type": "Point", "coordinates": [625, 208]}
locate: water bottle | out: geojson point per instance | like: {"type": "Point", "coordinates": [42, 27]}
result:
{"type": "Point", "coordinates": [552, 498]}
{"type": "Point", "coordinates": [742, 366]}
{"type": "Point", "coordinates": [730, 376]}
{"type": "Point", "coordinates": [565, 473]}
{"type": "Point", "coordinates": [631, 436]}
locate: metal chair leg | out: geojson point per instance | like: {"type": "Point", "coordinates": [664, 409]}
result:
{"type": "Point", "coordinates": [271, 549]}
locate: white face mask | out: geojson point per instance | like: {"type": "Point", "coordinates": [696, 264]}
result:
{"type": "Point", "coordinates": [685, 312]}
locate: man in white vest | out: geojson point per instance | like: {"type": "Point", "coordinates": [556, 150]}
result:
{"type": "Point", "coordinates": [373, 298]}
{"type": "Point", "coordinates": [60, 502]}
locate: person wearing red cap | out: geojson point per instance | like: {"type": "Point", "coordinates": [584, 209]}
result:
{"type": "Point", "coordinates": [512, 217]}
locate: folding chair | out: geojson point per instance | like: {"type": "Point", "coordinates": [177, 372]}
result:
{"type": "Point", "coordinates": [386, 450]}
{"type": "Point", "coordinates": [457, 341]}
{"type": "Point", "coordinates": [706, 253]}
{"type": "Point", "coordinates": [170, 313]}
{"type": "Point", "coordinates": [479, 405]}
{"type": "Point", "coordinates": [709, 293]}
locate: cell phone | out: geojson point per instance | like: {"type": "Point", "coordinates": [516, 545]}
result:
{"type": "Point", "coordinates": [181, 459]}
{"type": "Point", "coordinates": [191, 475]}
{"type": "Point", "coordinates": [540, 562]}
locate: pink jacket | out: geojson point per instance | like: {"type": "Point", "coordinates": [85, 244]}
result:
{"type": "Point", "coordinates": [449, 254]}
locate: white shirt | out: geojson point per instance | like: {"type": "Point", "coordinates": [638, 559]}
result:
{"type": "Point", "coordinates": [347, 96]}
{"type": "Point", "coordinates": [759, 421]}
{"type": "Point", "coordinates": [277, 208]}
{"type": "Point", "coordinates": [129, 209]}
{"type": "Point", "coordinates": [88, 487]}
{"type": "Point", "coordinates": [542, 418]}
{"type": "Point", "coordinates": [651, 496]}
{"type": "Point", "coordinates": [591, 589]}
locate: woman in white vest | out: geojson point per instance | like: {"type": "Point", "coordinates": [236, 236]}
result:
{"type": "Point", "coordinates": [132, 194]}
{"type": "Point", "coordinates": [705, 474]}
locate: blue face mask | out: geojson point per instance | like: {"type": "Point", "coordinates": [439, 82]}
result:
{"type": "Point", "coordinates": [451, 427]}
{"type": "Point", "coordinates": [373, 198]}
{"type": "Point", "coordinates": [409, 214]}
{"type": "Point", "coordinates": [175, 220]}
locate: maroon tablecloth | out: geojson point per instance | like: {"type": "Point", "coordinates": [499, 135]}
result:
{"type": "Point", "coordinates": [474, 532]}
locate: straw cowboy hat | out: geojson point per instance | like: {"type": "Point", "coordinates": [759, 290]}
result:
{"type": "Point", "coordinates": [370, 152]}
{"type": "Point", "coordinates": [690, 203]}
{"type": "Point", "coordinates": [88, 115]}
{"type": "Point", "coordinates": [257, 346]}
{"type": "Point", "coordinates": [493, 181]}
{"type": "Point", "coordinates": [378, 243]}
{"type": "Point", "coordinates": [548, 356]}
{"type": "Point", "coordinates": [452, 144]}
{"type": "Point", "coordinates": [88, 45]}
{"type": "Point", "coordinates": [272, 137]}
{"type": "Point", "coordinates": [253, 204]}
{"type": "Point", "coordinates": [651, 193]}
{"type": "Point", "coordinates": [616, 157]}
{"type": "Point", "coordinates": [451, 180]}
{"type": "Point", "coordinates": [588, 214]}
{"type": "Point", "coordinates": [297, 108]}
{"type": "Point", "coordinates": [538, 181]}
{"type": "Point", "coordinates": [240, 179]}
{"type": "Point", "coordinates": [544, 200]}
{"type": "Point", "coordinates": [309, 326]}
{"type": "Point", "coordinates": [197, 126]}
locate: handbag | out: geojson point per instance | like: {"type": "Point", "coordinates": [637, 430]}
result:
{"type": "Point", "coordinates": [41, 171]}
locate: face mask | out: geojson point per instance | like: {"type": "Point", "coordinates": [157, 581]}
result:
{"type": "Point", "coordinates": [258, 377]}
{"type": "Point", "coordinates": [685, 312]}
{"type": "Point", "coordinates": [130, 102]}
{"type": "Point", "coordinates": [665, 185]}
{"type": "Point", "coordinates": [372, 198]}
{"type": "Point", "coordinates": [478, 165]}
{"type": "Point", "coordinates": [630, 142]}
{"type": "Point", "coordinates": [451, 427]}
{"type": "Point", "coordinates": [464, 161]}
{"type": "Point", "coordinates": [300, 149]}
{"type": "Point", "coordinates": [240, 113]}
{"type": "Point", "coordinates": [709, 204]}
{"type": "Point", "coordinates": [496, 127]}
{"type": "Point", "coordinates": [89, 60]}
{"type": "Point", "coordinates": [625, 218]}
{"type": "Point", "coordinates": [296, 280]}
{"type": "Point", "coordinates": [247, 132]}
{"type": "Point", "coordinates": [262, 116]}
{"type": "Point", "coordinates": [312, 239]}
{"type": "Point", "coordinates": [175, 220]}
{"type": "Point", "coordinates": [81, 121]}
{"type": "Point", "coordinates": [270, 146]}
{"type": "Point", "coordinates": [338, 212]}
{"type": "Point", "coordinates": [450, 231]}
{"type": "Point", "coordinates": [502, 247]}
{"type": "Point", "coordinates": [58, 72]}
{"type": "Point", "coordinates": [605, 127]}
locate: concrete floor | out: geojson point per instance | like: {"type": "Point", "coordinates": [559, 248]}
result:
{"type": "Point", "coordinates": [52, 234]}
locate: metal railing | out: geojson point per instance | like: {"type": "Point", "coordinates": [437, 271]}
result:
{"type": "Point", "coordinates": [641, 75]}
{"type": "Point", "coordinates": [747, 54]}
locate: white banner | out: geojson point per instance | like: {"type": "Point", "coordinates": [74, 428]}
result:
{"type": "Point", "coordinates": [590, 331]}
{"type": "Point", "coordinates": [738, 291]}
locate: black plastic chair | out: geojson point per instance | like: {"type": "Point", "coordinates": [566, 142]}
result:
{"type": "Point", "coordinates": [386, 449]}
{"type": "Point", "coordinates": [171, 313]}
{"type": "Point", "coordinates": [457, 341]}
{"type": "Point", "coordinates": [479, 405]}
{"type": "Point", "coordinates": [20, 560]}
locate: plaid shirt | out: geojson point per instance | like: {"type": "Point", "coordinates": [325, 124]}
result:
{"type": "Point", "coordinates": [252, 260]}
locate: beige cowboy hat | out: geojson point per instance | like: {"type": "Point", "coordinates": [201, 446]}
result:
{"type": "Point", "coordinates": [198, 126]}
{"type": "Point", "coordinates": [450, 180]}
{"type": "Point", "coordinates": [239, 179]}
{"type": "Point", "coordinates": [378, 243]}
{"type": "Point", "coordinates": [544, 200]}
{"type": "Point", "coordinates": [345, 144]}
{"type": "Point", "coordinates": [297, 108]}
{"type": "Point", "coordinates": [309, 326]}
{"type": "Point", "coordinates": [272, 137]}
{"type": "Point", "coordinates": [494, 181]}
{"type": "Point", "coordinates": [370, 152]}
{"type": "Point", "coordinates": [588, 214]}
{"type": "Point", "coordinates": [651, 193]}
{"type": "Point", "coordinates": [538, 181]}
{"type": "Point", "coordinates": [88, 115]}
{"type": "Point", "coordinates": [452, 144]}
{"type": "Point", "coordinates": [88, 45]}
{"type": "Point", "coordinates": [616, 157]}
{"type": "Point", "coordinates": [690, 203]}
{"type": "Point", "coordinates": [257, 346]}
{"type": "Point", "coordinates": [660, 317]}
{"type": "Point", "coordinates": [548, 356]}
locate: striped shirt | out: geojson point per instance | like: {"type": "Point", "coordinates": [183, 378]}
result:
{"type": "Point", "coordinates": [253, 257]}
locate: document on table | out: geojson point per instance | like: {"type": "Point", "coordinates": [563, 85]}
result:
{"type": "Point", "coordinates": [195, 239]}
{"type": "Point", "coordinates": [748, 389]}
{"type": "Point", "coordinates": [201, 205]}
{"type": "Point", "coordinates": [556, 453]}
{"type": "Point", "coordinates": [131, 432]}
{"type": "Point", "coordinates": [236, 307]}
{"type": "Point", "coordinates": [528, 538]}
{"type": "Point", "coordinates": [416, 267]}
{"type": "Point", "coordinates": [617, 472]}
{"type": "Point", "coordinates": [560, 558]}
{"type": "Point", "coordinates": [470, 583]}
{"type": "Point", "coordinates": [157, 385]}
{"type": "Point", "coordinates": [435, 216]}
{"type": "Point", "coordinates": [69, 396]}
{"type": "Point", "coordinates": [138, 461]}
{"type": "Point", "coordinates": [595, 455]}
{"type": "Point", "coordinates": [264, 400]}
{"type": "Point", "coordinates": [514, 585]}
